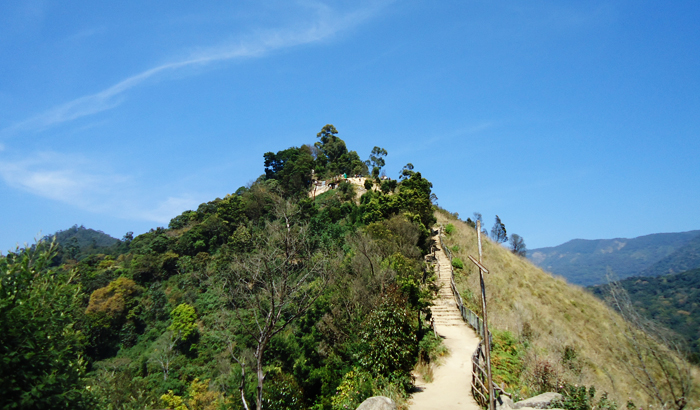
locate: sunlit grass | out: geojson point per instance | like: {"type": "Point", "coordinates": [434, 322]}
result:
{"type": "Point", "coordinates": [549, 314]}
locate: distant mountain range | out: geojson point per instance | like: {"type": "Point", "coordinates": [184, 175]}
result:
{"type": "Point", "coordinates": [588, 262]}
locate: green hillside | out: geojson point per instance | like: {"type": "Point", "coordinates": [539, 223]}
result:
{"type": "Point", "coordinates": [671, 300]}
{"type": "Point", "coordinates": [274, 298]}
{"type": "Point", "coordinates": [265, 295]}
{"type": "Point", "coordinates": [588, 262]}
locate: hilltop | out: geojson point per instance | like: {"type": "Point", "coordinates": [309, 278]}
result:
{"type": "Point", "coordinates": [82, 237]}
{"type": "Point", "coordinates": [588, 262]}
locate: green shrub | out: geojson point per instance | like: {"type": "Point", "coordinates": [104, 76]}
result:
{"type": "Point", "coordinates": [581, 398]}
{"type": "Point", "coordinates": [449, 229]}
{"type": "Point", "coordinates": [457, 263]}
{"type": "Point", "coordinates": [347, 190]}
{"type": "Point", "coordinates": [455, 248]}
{"type": "Point", "coordinates": [183, 320]}
{"type": "Point", "coordinates": [389, 186]}
{"type": "Point", "coordinates": [431, 348]}
{"type": "Point", "coordinates": [368, 184]}
{"type": "Point", "coordinates": [388, 345]}
{"type": "Point", "coordinates": [355, 388]}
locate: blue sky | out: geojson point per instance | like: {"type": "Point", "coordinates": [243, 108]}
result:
{"type": "Point", "coordinates": [569, 120]}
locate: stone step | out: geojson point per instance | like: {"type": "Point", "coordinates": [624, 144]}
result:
{"type": "Point", "coordinates": [446, 311]}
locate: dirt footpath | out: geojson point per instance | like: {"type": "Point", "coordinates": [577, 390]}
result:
{"type": "Point", "coordinates": [451, 386]}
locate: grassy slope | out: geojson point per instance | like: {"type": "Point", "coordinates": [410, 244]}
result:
{"type": "Point", "coordinates": [559, 314]}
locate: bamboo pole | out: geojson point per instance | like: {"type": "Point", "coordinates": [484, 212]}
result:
{"type": "Point", "coordinates": [487, 343]}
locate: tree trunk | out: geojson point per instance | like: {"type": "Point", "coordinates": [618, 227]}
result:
{"type": "Point", "coordinates": [261, 374]}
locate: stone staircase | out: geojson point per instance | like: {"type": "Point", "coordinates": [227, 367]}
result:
{"type": "Point", "coordinates": [445, 311]}
{"type": "Point", "coordinates": [449, 389]}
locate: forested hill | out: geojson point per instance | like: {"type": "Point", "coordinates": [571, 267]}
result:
{"type": "Point", "coordinates": [587, 262]}
{"type": "Point", "coordinates": [78, 243]}
{"type": "Point", "coordinates": [82, 237]}
{"type": "Point", "coordinates": [672, 300]}
{"type": "Point", "coordinates": [265, 297]}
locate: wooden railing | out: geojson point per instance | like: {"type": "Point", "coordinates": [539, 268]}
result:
{"type": "Point", "coordinates": [479, 379]}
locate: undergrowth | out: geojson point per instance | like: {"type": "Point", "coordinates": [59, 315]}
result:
{"type": "Point", "coordinates": [431, 350]}
{"type": "Point", "coordinates": [583, 398]}
{"type": "Point", "coordinates": [507, 361]}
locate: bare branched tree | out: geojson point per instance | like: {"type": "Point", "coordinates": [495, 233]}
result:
{"type": "Point", "coordinates": [517, 245]}
{"type": "Point", "coordinates": [164, 352]}
{"type": "Point", "coordinates": [654, 356]}
{"type": "Point", "coordinates": [272, 286]}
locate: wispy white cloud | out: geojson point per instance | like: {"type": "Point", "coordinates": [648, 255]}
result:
{"type": "Point", "coordinates": [86, 33]}
{"type": "Point", "coordinates": [61, 177]}
{"type": "Point", "coordinates": [326, 24]}
{"type": "Point", "coordinates": [165, 210]}
{"type": "Point", "coordinates": [77, 181]}
{"type": "Point", "coordinates": [465, 131]}
{"type": "Point", "coordinates": [88, 184]}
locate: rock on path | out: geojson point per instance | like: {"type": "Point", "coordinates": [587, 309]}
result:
{"type": "Point", "coordinates": [451, 386]}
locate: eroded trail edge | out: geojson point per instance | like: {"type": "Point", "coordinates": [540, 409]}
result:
{"type": "Point", "coordinates": [450, 388]}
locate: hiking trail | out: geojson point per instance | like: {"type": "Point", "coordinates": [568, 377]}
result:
{"type": "Point", "coordinates": [451, 385]}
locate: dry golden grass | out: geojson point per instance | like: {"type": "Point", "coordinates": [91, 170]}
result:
{"type": "Point", "coordinates": [552, 314]}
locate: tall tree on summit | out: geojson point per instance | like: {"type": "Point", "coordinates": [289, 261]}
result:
{"type": "Point", "coordinates": [376, 161]}
{"type": "Point", "coordinates": [330, 145]}
{"type": "Point", "coordinates": [333, 156]}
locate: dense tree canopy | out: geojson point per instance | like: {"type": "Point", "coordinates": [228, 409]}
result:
{"type": "Point", "coordinates": [292, 168]}
{"type": "Point", "coordinates": [333, 155]}
{"type": "Point", "coordinates": [41, 343]}
{"type": "Point", "coordinates": [265, 297]}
